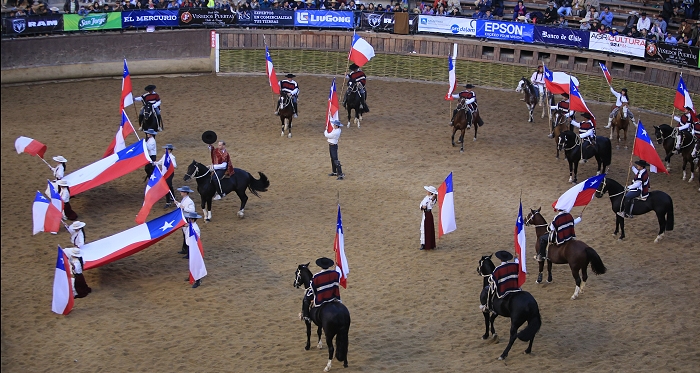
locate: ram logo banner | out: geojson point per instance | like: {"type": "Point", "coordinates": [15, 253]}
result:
{"type": "Point", "coordinates": [18, 25]}
{"type": "Point", "coordinates": [522, 32]}
{"type": "Point", "coordinates": [324, 18]}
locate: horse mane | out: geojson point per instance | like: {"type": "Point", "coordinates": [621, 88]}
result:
{"type": "Point", "coordinates": [528, 83]}
{"type": "Point", "coordinates": [612, 184]}
{"type": "Point", "coordinates": [665, 128]}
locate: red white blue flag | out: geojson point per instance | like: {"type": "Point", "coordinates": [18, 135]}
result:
{"type": "Point", "coordinates": [196, 254]}
{"type": "Point", "coordinates": [29, 146]}
{"type": "Point", "coordinates": [119, 141]}
{"type": "Point", "coordinates": [156, 188]}
{"type": "Point", "coordinates": [558, 82]}
{"type": "Point", "coordinates": [683, 100]}
{"type": "Point", "coordinates": [333, 106]}
{"type": "Point", "coordinates": [168, 167]}
{"type": "Point", "coordinates": [127, 95]}
{"type": "Point", "coordinates": [580, 194]}
{"type": "Point", "coordinates": [62, 302]}
{"type": "Point", "coordinates": [341, 262]}
{"type": "Point", "coordinates": [520, 246]}
{"type": "Point", "coordinates": [644, 149]}
{"type": "Point", "coordinates": [452, 78]}
{"type": "Point", "coordinates": [361, 51]}
{"type": "Point", "coordinates": [446, 202]}
{"type": "Point", "coordinates": [46, 214]}
{"type": "Point", "coordinates": [606, 73]}
{"type": "Point", "coordinates": [271, 75]}
{"type": "Point", "coordinates": [576, 102]}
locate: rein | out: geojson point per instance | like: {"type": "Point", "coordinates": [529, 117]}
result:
{"type": "Point", "coordinates": [577, 142]}
{"type": "Point", "coordinates": [527, 222]}
{"type": "Point", "coordinates": [196, 169]}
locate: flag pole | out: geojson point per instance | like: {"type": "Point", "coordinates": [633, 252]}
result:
{"type": "Point", "coordinates": [629, 168]}
{"type": "Point", "coordinates": [47, 163]}
{"type": "Point", "coordinates": [132, 126]}
{"type": "Point", "coordinates": [272, 94]}
{"type": "Point", "coordinates": [549, 106]}
{"type": "Point", "coordinates": [347, 67]}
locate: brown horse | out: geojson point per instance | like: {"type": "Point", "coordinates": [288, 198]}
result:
{"type": "Point", "coordinates": [558, 126]}
{"type": "Point", "coordinates": [574, 252]}
{"type": "Point", "coordinates": [462, 122]}
{"type": "Point", "coordinates": [620, 123]}
{"type": "Point", "coordinates": [285, 107]}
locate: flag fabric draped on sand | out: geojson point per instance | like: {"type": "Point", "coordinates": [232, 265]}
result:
{"type": "Point", "coordinates": [341, 262]}
{"type": "Point", "coordinates": [127, 95]}
{"type": "Point", "coordinates": [271, 75]}
{"type": "Point", "coordinates": [196, 254]}
{"type": "Point", "coordinates": [156, 188]}
{"type": "Point", "coordinates": [361, 51]}
{"type": "Point", "coordinates": [46, 214]}
{"type": "Point", "coordinates": [520, 246]}
{"type": "Point", "coordinates": [62, 302]}
{"type": "Point", "coordinates": [644, 149]}
{"type": "Point", "coordinates": [452, 77]}
{"type": "Point", "coordinates": [108, 169]}
{"type": "Point", "coordinates": [333, 107]}
{"type": "Point", "coordinates": [606, 73]}
{"type": "Point", "coordinates": [119, 141]}
{"type": "Point", "coordinates": [29, 146]}
{"type": "Point", "coordinates": [558, 82]}
{"type": "Point", "coordinates": [580, 194]}
{"type": "Point", "coordinates": [131, 241]}
{"type": "Point", "coordinates": [446, 203]}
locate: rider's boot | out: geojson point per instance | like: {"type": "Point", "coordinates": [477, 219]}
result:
{"type": "Point", "coordinates": [296, 111]}
{"type": "Point", "coordinates": [452, 121]}
{"type": "Point", "coordinates": [609, 123]}
{"type": "Point", "coordinates": [364, 104]}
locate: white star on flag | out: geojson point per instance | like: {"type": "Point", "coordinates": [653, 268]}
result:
{"type": "Point", "coordinates": [153, 177]}
{"type": "Point", "coordinates": [167, 225]}
{"type": "Point", "coordinates": [644, 132]}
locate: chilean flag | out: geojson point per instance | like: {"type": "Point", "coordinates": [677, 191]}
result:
{"type": "Point", "coordinates": [558, 82]}
{"type": "Point", "coordinates": [452, 78]}
{"type": "Point", "coordinates": [168, 168]}
{"type": "Point", "coordinates": [45, 214]}
{"type": "Point", "coordinates": [644, 149]}
{"type": "Point", "coordinates": [341, 262]}
{"type": "Point", "coordinates": [580, 194]}
{"type": "Point", "coordinates": [29, 146]}
{"type": "Point", "coordinates": [196, 254]}
{"type": "Point", "coordinates": [127, 95]}
{"type": "Point", "coordinates": [108, 169]}
{"type": "Point", "coordinates": [446, 202]}
{"type": "Point", "coordinates": [156, 188]}
{"type": "Point", "coordinates": [361, 51]}
{"type": "Point", "coordinates": [606, 73]}
{"type": "Point", "coordinates": [333, 106]}
{"type": "Point", "coordinates": [271, 75]}
{"type": "Point", "coordinates": [682, 99]}
{"type": "Point", "coordinates": [131, 241]}
{"type": "Point", "coordinates": [576, 102]}
{"type": "Point", "coordinates": [119, 141]}
{"type": "Point", "coordinates": [520, 246]}
{"type": "Point", "coordinates": [62, 302]}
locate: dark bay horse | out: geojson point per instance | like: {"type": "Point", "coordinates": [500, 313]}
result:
{"type": "Point", "coordinates": [620, 122]}
{"type": "Point", "coordinates": [462, 122]}
{"type": "Point", "coordinates": [571, 144]}
{"type": "Point", "coordinates": [332, 318]}
{"type": "Point", "coordinates": [353, 101]}
{"type": "Point", "coordinates": [666, 138]}
{"type": "Point", "coordinates": [574, 252]}
{"type": "Point", "coordinates": [285, 107]}
{"type": "Point", "coordinates": [207, 185]}
{"type": "Point", "coordinates": [657, 201]}
{"type": "Point", "coordinates": [520, 306]}
{"type": "Point", "coordinates": [530, 92]}
{"type": "Point", "coordinates": [149, 119]}
{"type": "Point", "coordinates": [559, 125]}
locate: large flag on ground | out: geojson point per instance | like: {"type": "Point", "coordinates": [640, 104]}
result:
{"type": "Point", "coordinates": [156, 188]}
{"type": "Point", "coordinates": [108, 169]}
{"type": "Point", "coordinates": [452, 77]}
{"type": "Point", "coordinates": [62, 302]}
{"type": "Point", "coordinates": [271, 75]}
{"type": "Point", "coordinates": [119, 141]}
{"type": "Point", "coordinates": [341, 262]}
{"type": "Point", "coordinates": [196, 254]}
{"type": "Point", "coordinates": [520, 246]}
{"type": "Point", "coordinates": [29, 146]}
{"type": "Point", "coordinates": [644, 149]}
{"type": "Point", "coordinates": [131, 241]}
{"type": "Point", "coordinates": [361, 51]}
{"type": "Point", "coordinates": [127, 95]}
{"type": "Point", "coordinates": [580, 194]}
{"type": "Point", "coordinates": [576, 102]}
{"type": "Point", "coordinates": [606, 73]}
{"type": "Point", "coordinates": [333, 106]}
{"type": "Point", "coordinates": [558, 82]}
{"type": "Point", "coordinates": [446, 202]}
{"type": "Point", "coordinates": [46, 215]}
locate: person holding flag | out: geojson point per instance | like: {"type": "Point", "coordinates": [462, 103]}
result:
{"type": "Point", "coordinates": [152, 98]}
{"type": "Point", "coordinates": [470, 102]}
{"type": "Point", "coordinates": [64, 192]}
{"type": "Point", "coordinates": [60, 168]}
{"type": "Point", "coordinates": [196, 260]}
{"type": "Point", "coordinates": [560, 230]}
{"type": "Point", "coordinates": [537, 80]}
{"type": "Point", "coordinates": [564, 106]}
{"type": "Point", "coordinates": [638, 188]}
{"type": "Point", "coordinates": [332, 138]}
{"type": "Point", "coordinates": [325, 287]}
{"type": "Point", "coordinates": [622, 98]}
{"type": "Point", "coordinates": [357, 77]}
{"type": "Point", "coordinates": [586, 128]}
{"type": "Point", "coordinates": [290, 87]}
{"type": "Point", "coordinates": [192, 222]}
{"type": "Point", "coordinates": [80, 286]}
{"type": "Point", "coordinates": [62, 302]}
{"type": "Point", "coordinates": [683, 127]}
{"type": "Point", "coordinates": [166, 167]}
{"type": "Point", "coordinates": [187, 207]}
{"type": "Point", "coordinates": [427, 223]}
{"type": "Point", "coordinates": [77, 234]}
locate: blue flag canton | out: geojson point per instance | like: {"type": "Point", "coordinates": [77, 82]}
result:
{"type": "Point", "coordinates": [59, 262]}
{"type": "Point", "coordinates": [355, 38]}
{"type": "Point", "coordinates": [165, 224]}
{"type": "Point", "coordinates": [193, 232]}
{"type": "Point", "coordinates": [450, 63]}
{"type": "Point", "coordinates": [267, 54]}
{"type": "Point", "coordinates": [40, 198]}
{"type": "Point", "coordinates": [339, 223]}
{"type": "Point", "coordinates": [594, 182]}
{"type": "Point", "coordinates": [519, 221]}
{"type": "Point", "coordinates": [131, 151]}
{"type": "Point", "coordinates": [125, 119]}
{"type": "Point", "coordinates": [126, 70]}
{"type": "Point", "coordinates": [330, 95]}
{"type": "Point", "coordinates": [166, 163]}
{"type": "Point", "coordinates": [573, 89]}
{"type": "Point", "coordinates": [681, 86]}
{"type": "Point", "coordinates": [642, 133]}
{"type": "Point", "coordinates": [448, 184]}
{"type": "Point", "coordinates": [548, 74]}
{"type": "Point", "coordinates": [155, 177]}
{"type": "Point", "coordinates": [54, 192]}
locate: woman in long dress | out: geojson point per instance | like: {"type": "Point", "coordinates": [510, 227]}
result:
{"type": "Point", "coordinates": [427, 226]}
{"type": "Point", "coordinates": [80, 286]}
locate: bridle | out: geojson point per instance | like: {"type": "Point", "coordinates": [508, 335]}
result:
{"type": "Point", "coordinates": [577, 142]}
{"type": "Point", "coordinates": [602, 188]}
{"type": "Point", "coordinates": [194, 174]}
{"type": "Point", "coordinates": [532, 215]}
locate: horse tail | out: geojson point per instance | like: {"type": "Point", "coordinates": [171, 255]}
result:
{"type": "Point", "coordinates": [534, 322]}
{"type": "Point", "coordinates": [669, 215]}
{"type": "Point", "coordinates": [258, 185]}
{"type": "Point", "coordinates": [596, 263]}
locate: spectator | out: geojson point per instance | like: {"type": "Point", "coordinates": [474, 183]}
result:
{"type": "Point", "coordinates": [71, 6]}
{"type": "Point", "coordinates": [562, 22]}
{"type": "Point", "coordinates": [592, 3]}
{"type": "Point", "coordinates": [633, 33]}
{"type": "Point", "coordinates": [684, 29]}
{"type": "Point", "coordinates": [606, 17]}
{"type": "Point", "coordinates": [187, 4]}
{"type": "Point", "coordinates": [584, 26]}
{"type": "Point", "coordinates": [106, 8]}
{"type": "Point", "coordinates": [371, 8]}
{"type": "Point", "coordinates": [670, 39]}
{"type": "Point", "coordinates": [613, 31]}
{"type": "Point", "coordinates": [656, 30]}
{"type": "Point", "coordinates": [644, 23]}
{"type": "Point", "coordinates": [685, 40]}
{"type": "Point", "coordinates": [82, 11]}
{"type": "Point", "coordinates": [498, 8]}
{"type": "Point", "coordinates": [667, 10]}
{"type": "Point", "coordinates": [174, 5]}
{"type": "Point", "coordinates": [662, 23]}
{"type": "Point", "coordinates": [591, 15]}
{"type": "Point", "coordinates": [519, 11]}
{"type": "Point", "coordinates": [535, 16]}
{"type": "Point", "coordinates": [482, 6]}
{"type": "Point", "coordinates": [550, 14]}
{"type": "Point", "coordinates": [426, 10]}
{"type": "Point", "coordinates": [579, 9]}
{"type": "Point", "coordinates": [601, 29]}
{"type": "Point", "coordinates": [380, 8]}
{"type": "Point", "coordinates": [455, 12]}
{"type": "Point", "coordinates": [687, 9]}
{"type": "Point", "coordinates": [118, 7]}
{"type": "Point", "coordinates": [128, 6]}
{"type": "Point", "coordinates": [632, 20]}
{"type": "Point", "coordinates": [565, 8]}
{"type": "Point", "coordinates": [644, 34]}
{"type": "Point", "coordinates": [441, 11]}
{"type": "Point", "coordinates": [487, 15]}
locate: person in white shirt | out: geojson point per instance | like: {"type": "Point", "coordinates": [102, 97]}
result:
{"type": "Point", "coordinates": [169, 179]}
{"type": "Point", "coordinates": [427, 223]}
{"type": "Point", "coordinates": [187, 206]}
{"type": "Point", "coordinates": [332, 138]}
{"type": "Point", "coordinates": [80, 286]}
{"type": "Point", "coordinates": [151, 144]}
{"type": "Point", "coordinates": [60, 168]}
{"type": "Point", "coordinates": [64, 192]}
{"type": "Point", "coordinates": [622, 98]}
{"type": "Point", "coordinates": [644, 22]}
{"type": "Point", "coordinates": [77, 235]}
{"type": "Point", "coordinates": [537, 79]}
{"type": "Point", "coordinates": [192, 220]}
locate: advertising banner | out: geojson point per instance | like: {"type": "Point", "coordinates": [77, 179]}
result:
{"type": "Point", "coordinates": [447, 25]}
{"type": "Point", "coordinates": [617, 44]}
{"type": "Point", "coordinates": [92, 21]}
{"type": "Point", "coordinates": [561, 36]}
{"type": "Point", "coordinates": [383, 21]}
{"type": "Point", "coordinates": [145, 18]}
{"type": "Point", "coordinates": [32, 24]}
{"type": "Point", "coordinates": [511, 31]}
{"type": "Point", "coordinates": [324, 18]}
{"type": "Point", "coordinates": [206, 17]}
{"type": "Point", "coordinates": [673, 54]}
{"type": "Point", "coordinates": [273, 17]}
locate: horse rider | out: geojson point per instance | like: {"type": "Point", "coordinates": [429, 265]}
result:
{"type": "Point", "coordinates": [560, 230]}
{"type": "Point", "coordinates": [221, 165]}
{"type": "Point", "coordinates": [505, 277]}
{"type": "Point", "coordinates": [359, 78]}
{"type": "Point", "coordinates": [638, 188]}
{"type": "Point", "coordinates": [683, 126]}
{"type": "Point", "coordinates": [586, 128]}
{"type": "Point", "coordinates": [169, 180]}
{"type": "Point", "coordinates": [60, 168]}
{"type": "Point", "coordinates": [325, 287]}
{"type": "Point", "coordinates": [290, 87]}
{"type": "Point", "coordinates": [152, 98]}
{"type": "Point", "coordinates": [470, 102]}
{"type": "Point", "coordinates": [563, 106]}
{"type": "Point", "coordinates": [622, 98]}
{"type": "Point", "coordinates": [537, 80]}
{"type": "Point", "coordinates": [151, 143]}
{"type": "Point", "coordinates": [187, 206]}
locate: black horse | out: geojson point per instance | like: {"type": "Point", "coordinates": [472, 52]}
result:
{"type": "Point", "coordinates": [208, 185]}
{"type": "Point", "coordinates": [150, 119]}
{"type": "Point", "coordinates": [353, 101]}
{"type": "Point", "coordinates": [658, 201]}
{"type": "Point", "coordinates": [520, 306]}
{"type": "Point", "coordinates": [285, 109]}
{"type": "Point", "coordinates": [333, 318]}
{"type": "Point", "coordinates": [571, 144]}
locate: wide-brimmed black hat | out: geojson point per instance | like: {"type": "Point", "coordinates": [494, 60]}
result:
{"type": "Point", "coordinates": [169, 147]}
{"type": "Point", "coordinates": [586, 115]}
{"type": "Point", "coordinates": [504, 255]}
{"type": "Point", "coordinates": [193, 215]}
{"type": "Point", "coordinates": [354, 67]}
{"type": "Point", "coordinates": [565, 95]}
{"type": "Point", "coordinates": [642, 163]}
{"type": "Point", "coordinates": [209, 137]}
{"type": "Point", "coordinates": [290, 76]}
{"type": "Point", "coordinates": [150, 87]}
{"type": "Point", "coordinates": [185, 189]}
{"type": "Point", "coordinates": [324, 262]}
{"type": "Point", "coordinates": [469, 85]}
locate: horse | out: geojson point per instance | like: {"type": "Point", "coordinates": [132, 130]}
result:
{"type": "Point", "coordinates": [353, 102]}
{"type": "Point", "coordinates": [658, 201]}
{"type": "Point", "coordinates": [666, 138]}
{"type": "Point", "coordinates": [333, 318]}
{"type": "Point", "coordinates": [571, 144]}
{"type": "Point", "coordinates": [574, 252]}
{"type": "Point", "coordinates": [520, 306]}
{"type": "Point", "coordinates": [285, 108]}
{"type": "Point", "coordinates": [531, 96]}
{"type": "Point", "coordinates": [149, 119]}
{"type": "Point", "coordinates": [207, 185]}
{"type": "Point", "coordinates": [620, 122]}
{"type": "Point", "coordinates": [462, 123]}
{"type": "Point", "coordinates": [559, 125]}
{"type": "Point", "coordinates": [688, 143]}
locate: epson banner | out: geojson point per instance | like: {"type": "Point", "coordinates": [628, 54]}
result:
{"type": "Point", "coordinates": [511, 31]}
{"type": "Point", "coordinates": [447, 25]}
{"type": "Point", "coordinates": [561, 36]}
{"type": "Point", "coordinates": [145, 18]}
{"type": "Point", "coordinates": [324, 18]}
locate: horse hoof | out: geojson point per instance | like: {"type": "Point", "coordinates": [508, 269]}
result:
{"type": "Point", "coordinates": [289, 136]}
{"type": "Point", "coordinates": [501, 358]}
{"type": "Point", "coordinates": [307, 348]}
{"type": "Point", "coordinates": [461, 150]}
{"type": "Point", "coordinates": [485, 337]}
{"type": "Point", "coordinates": [475, 139]}
{"type": "Point", "coordinates": [240, 214]}
{"type": "Point", "coordinates": [282, 134]}
{"type": "Point", "coordinates": [573, 297]}
{"type": "Point", "coordinates": [551, 136]}
{"type": "Point", "coordinates": [207, 220]}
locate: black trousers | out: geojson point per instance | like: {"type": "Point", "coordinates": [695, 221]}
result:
{"type": "Point", "coordinates": [169, 196]}
{"type": "Point", "coordinates": [543, 241]}
{"type": "Point", "coordinates": [335, 163]}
